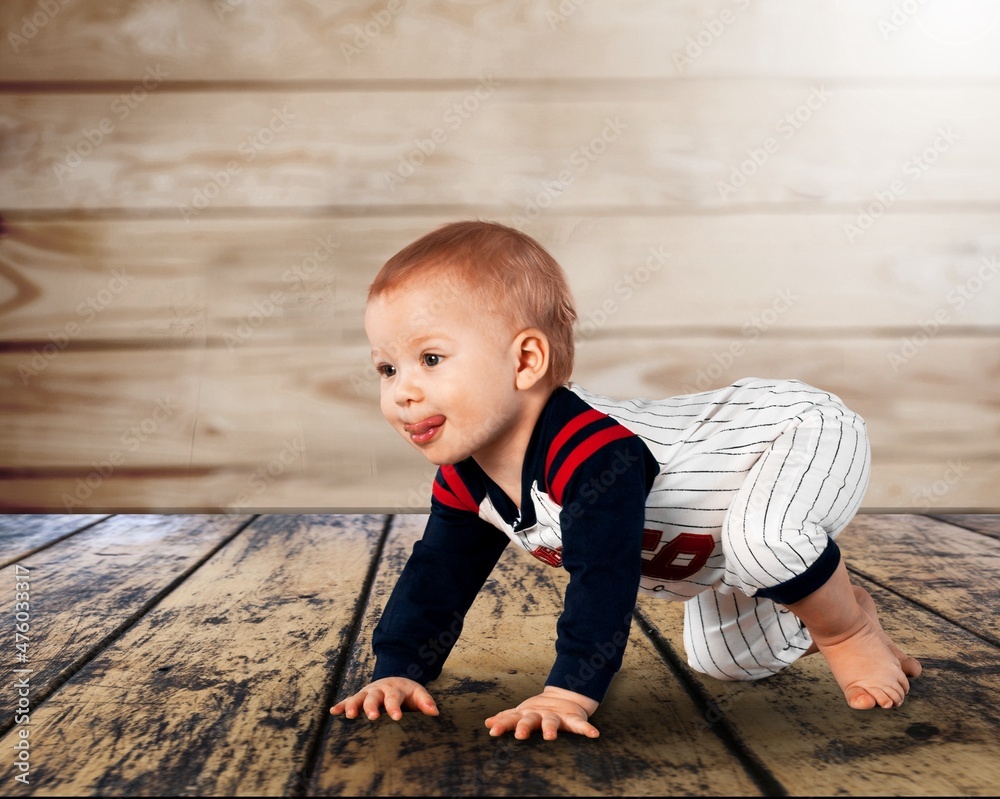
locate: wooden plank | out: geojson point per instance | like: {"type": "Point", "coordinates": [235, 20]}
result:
{"type": "Point", "coordinates": [87, 403]}
{"type": "Point", "coordinates": [952, 571]}
{"type": "Point", "coordinates": [612, 151]}
{"type": "Point", "coordinates": [23, 533]}
{"type": "Point", "coordinates": [941, 742]}
{"type": "Point", "coordinates": [246, 281]}
{"type": "Point", "coordinates": [86, 590]}
{"type": "Point", "coordinates": [387, 40]}
{"type": "Point", "coordinates": [491, 669]}
{"type": "Point", "coordinates": [403, 487]}
{"type": "Point", "coordinates": [274, 427]}
{"type": "Point", "coordinates": [980, 522]}
{"type": "Point", "coordinates": [220, 689]}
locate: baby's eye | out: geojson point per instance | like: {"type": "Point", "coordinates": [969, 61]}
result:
{"type": "Point", "coordinates": [431, 360]}
{"type": "Point", "coordinates": [386, 370]}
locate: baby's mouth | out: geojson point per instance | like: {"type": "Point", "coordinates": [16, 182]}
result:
{"type": "Point", "coordinates": [422, 432]}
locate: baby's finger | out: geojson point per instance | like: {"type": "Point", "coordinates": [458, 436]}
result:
{"type": "Point", "coordinates": [393, 700]}
{"type": "Point", "coordinates": [348, 707]}
{"type": "Point", "coordinates": [582, 727]}
{"type": "Point", "coordinates": [503, 722]}
{"type": "Point", "coordinates": [424, 702]}
{"type": "Point", "coordinates": [373, 701]}
{"type": "Point", "coordinates": [528, 723]}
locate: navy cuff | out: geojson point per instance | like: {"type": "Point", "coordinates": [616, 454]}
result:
{"type": "Point", "coordinates": [802, 585]}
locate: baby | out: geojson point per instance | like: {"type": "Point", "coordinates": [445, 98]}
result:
{"type": "Point", "coordinates": [727, 500]}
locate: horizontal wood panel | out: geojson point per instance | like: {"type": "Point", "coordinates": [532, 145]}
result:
{"type": "Point", "coordinates": [86, 402]}
{"type": "Point", "coordinates": [800, 727]}
{"type": "Point", "coordinates": [413, 39]}
{"type": "Point", "coordinates": [307, 431]}
{"type": "Point", "coordinates": [248, 281]}
{"type": "Point", "coordinates": [916, 487]}
{"type": "Point", "coordinates": [521, 151]}
{"type": "Point", "coordinates": [76, 614]}
{"type": "Point", "coordinates": [504, 655]}
{"type": "Point", "coordinates": [239, 655]}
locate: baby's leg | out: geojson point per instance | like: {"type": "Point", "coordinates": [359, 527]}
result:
{"type": "Point", "coordinates": [778, 537]}
{"type": "Point", "coordinates": [843, 622]}
{"type": "Point", "coordinates": [732, 636]}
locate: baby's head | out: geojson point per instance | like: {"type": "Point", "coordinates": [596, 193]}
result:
{"type": "Point", "coordinates": [506, 276]}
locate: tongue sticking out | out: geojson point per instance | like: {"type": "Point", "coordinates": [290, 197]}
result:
{"type": "Point", "coordinates": [422, 431]}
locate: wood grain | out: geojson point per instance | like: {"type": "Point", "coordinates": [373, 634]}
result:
{"type": "Point", "coordinates": [983, 523]}
{"type": "Point", "coordinates": [219, 689]}
{"type": "Point", "coordinates": [942, 741]}
{"type": "Point", "coordinates": [950, 570]}
{"type": "Point", "coordinates": [189, 154]}
{"type": "Point", "coordinates": [308, 418]}
{"type": "Point", "coordinates": [91, 587]}
{"type": "Point", "coordinates": [22, 534]}
{"type": "Point", "coordinates": [240, 281]}
{"type": "Point", "coordinates": [503, 657]}
{"type": "Point", "coordinates": [433, 39]}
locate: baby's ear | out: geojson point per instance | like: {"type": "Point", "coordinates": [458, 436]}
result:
{"type": "Point", "coordinates": [532, 358]}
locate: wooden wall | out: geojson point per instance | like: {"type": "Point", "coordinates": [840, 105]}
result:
{"type": "Point", "coordinates": [196, 195]}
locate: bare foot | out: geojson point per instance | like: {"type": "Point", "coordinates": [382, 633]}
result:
{"type": "Point", "coordinates": [866, 662]}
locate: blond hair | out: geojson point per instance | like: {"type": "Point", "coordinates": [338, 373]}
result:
{"type": "Point", "coordinates": [509, 274]}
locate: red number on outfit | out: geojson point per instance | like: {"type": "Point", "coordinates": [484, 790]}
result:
{"type": "Point", "coordinates": [680, 558]}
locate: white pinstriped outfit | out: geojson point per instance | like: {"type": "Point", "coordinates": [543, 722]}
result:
{"type": "Point", "coordinates": [771, 470]}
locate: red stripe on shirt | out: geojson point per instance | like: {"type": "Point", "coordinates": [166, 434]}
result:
{"type": "Point", "coordinates": [583, 451]}
{"type": "Point", "coordinates": [575, 424]}
{"type": "Point", "coordinates": [458, 489]}
{"type": "Point", "coordinates": [445, 497]}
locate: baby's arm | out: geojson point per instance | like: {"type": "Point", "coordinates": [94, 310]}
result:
{"type": "Point", "coordinates": [552, 710]}
{"type": "Point", "coordinates": [602, 551]}
{"type": "Point", "coordinates": [395, 694]}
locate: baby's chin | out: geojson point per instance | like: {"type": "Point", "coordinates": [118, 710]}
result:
{"type": "Point", "coordinates": [436, 457]}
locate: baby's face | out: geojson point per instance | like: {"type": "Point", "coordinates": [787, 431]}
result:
{"type": "Point", "coordinates": [447, 374]}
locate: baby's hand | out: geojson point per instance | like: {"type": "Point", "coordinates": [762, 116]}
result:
{"type": "Point", "coordinates": [552, 710]}
{"type": "Point", "coordinates": [393, 693]}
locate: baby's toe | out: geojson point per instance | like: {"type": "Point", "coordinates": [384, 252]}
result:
{"type": "Point", "coordinates": [860, 699]}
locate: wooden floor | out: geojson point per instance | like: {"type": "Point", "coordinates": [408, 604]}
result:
{"type": "Point", "coordinates": [198, 655]}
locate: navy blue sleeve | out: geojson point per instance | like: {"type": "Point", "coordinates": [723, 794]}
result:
{"type": "Point", "coordinates": [603, 513]}
{"type": "Point", "coordinates": [426, 610]}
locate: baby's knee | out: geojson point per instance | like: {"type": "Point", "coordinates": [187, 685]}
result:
{"type": "Point", "coordinates": [739, 669]}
